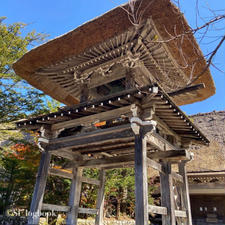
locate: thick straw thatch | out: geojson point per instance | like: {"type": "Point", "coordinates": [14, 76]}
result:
{"type": "Point", "coordinates": [168, 21]}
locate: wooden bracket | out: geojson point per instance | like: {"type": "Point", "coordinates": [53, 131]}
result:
{"type": "Point", "coordinates": [46, 135]}
{"type": "Point", "coordinates": [136, 122]}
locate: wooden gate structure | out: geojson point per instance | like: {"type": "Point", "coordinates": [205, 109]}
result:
{"type": "Point", "coordinates": [121, 84]}
{"type": "Point", "coordinates": [144, 129]}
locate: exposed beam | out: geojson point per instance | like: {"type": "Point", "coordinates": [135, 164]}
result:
{"type": "Point", "coordinates": [90, 181]}
{"type": "Point", "coordinates": [60, 173]}
{"type": "Point", "coordinates": [171, 155]}
{"type": "Point", "coordinates": [159, 142]}
{"type": "Point", "coordinates": [105, 162]}
{"type": "Point", "coordinates": [87, 211]}
{"type": "Point", "coordinates": [103, 136]}
{"type": "Point", "coordinates": [166, 127]}
{"type": "Point", "coordinates": [111, 114]}
{"type": "Point", "coordinates": [155, 165]}
{"type": "Point", "coordinates": [57, 208]}
{"type": "Point", "coordinates": [186, 90]}
{"type": "Point", "coordinates": [180, 213]}
{"type": "Point", "coordinates": [157, 209]}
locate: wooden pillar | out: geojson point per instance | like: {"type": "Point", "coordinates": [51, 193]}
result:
{"type": "Point", "coordinates": [129, 79]}
{"type": "Point", "coordinates": [84, 94]}
{"type": "Point", "coordinates": [167, 194]}
{"type": "Point", "coordinates": [141, 183]}
{"type": "Point", "coordinates": [39, 189]}
{"type": "Point", "coordinates": [100, 200]}
{"type": "Point", "coordinates": [185, 192]}
{"type": "Point", "coordinates": [74, 198]}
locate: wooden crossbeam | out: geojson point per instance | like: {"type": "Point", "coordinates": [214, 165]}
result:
{"type": "Point", "coordinates": [99, 136]}
{"type": "Point", "coordinates": [90, 181]}
{"type": "Point", "coordinates": [60, 173]}
{"type": "Point", "coordinates": [171, 155]}
{"type": "Point", "coordinates": [180, 213]}
{"type": "Point", "coordinates": [51, 207]}
{"type": "Point", "coordinates": [165, 127]}
{"type": "Point", "coordinates": [159, 142]}
{"type": "Point", "coordinates": [87, 211]}
{"type": "Point", "coordinates": [157, 209]}
{"type": "Point", "coordinates": [111, 114]}
{"type": "Point", "coordinates": [107, 162]}
{"type": "Point", "coordinates": [155, 165]}
{"type": "Point", "coordinates": [186, 90]}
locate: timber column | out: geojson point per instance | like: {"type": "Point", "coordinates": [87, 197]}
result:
{"type": "Point", "coordinates": [141, 180]}
{"type": "Point", "coordinates": [39, 189]}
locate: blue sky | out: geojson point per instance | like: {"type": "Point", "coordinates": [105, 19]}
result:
{"type": "Point", "coordinates": [56, 17]}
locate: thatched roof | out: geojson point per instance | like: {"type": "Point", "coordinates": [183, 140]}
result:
{"type": "Point", "coordinates": [167, 19]}
{"type": "Point", "coordinates": [212, 157]}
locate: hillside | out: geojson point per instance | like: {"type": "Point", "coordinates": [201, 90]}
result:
{"type": "Point", "coordinates": [210, 158]}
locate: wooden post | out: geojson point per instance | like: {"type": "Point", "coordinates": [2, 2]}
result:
{"type": "Point", "coordinates": [84, 94]}
{"type": "Point", "coordinates": [141, 183]}
{"type": "Point", "coordinates": [100, 202]}
{"type": "Point", "coordinates": [37, 199]}
{"type": "Point", "coordinates": [74, 199]}
{"type": "Point", "coordinates": [167, 195]}
{"type": "Point", "coordinates": [129, 79]}
{"type": "Point", "coordinates": [185, 192]}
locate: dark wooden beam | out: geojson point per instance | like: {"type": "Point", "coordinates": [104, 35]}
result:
{"type": "Point", "coordinates": [157, 209]}
{"type": "Point", "coordinates": [104, 162]}
{"type": "Point", "coordinates": [173, 155]}
{"type": "Point", "coordinates": [57, 208]}
{"type": "Point", "coordinates": [100, 136]}
{"type": "Point", "coordinates": [111, 114]}
{"type": "Point", "coordinates": [186, 90]}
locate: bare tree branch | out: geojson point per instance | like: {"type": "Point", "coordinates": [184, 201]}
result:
{"type": "Point", "coordinates": [209, 61]}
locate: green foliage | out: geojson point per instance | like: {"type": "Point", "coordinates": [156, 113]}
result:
{"type": "Point", "coordinates": [18, 166]}
{"type": "Point", "coordinates": [17, 97]}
